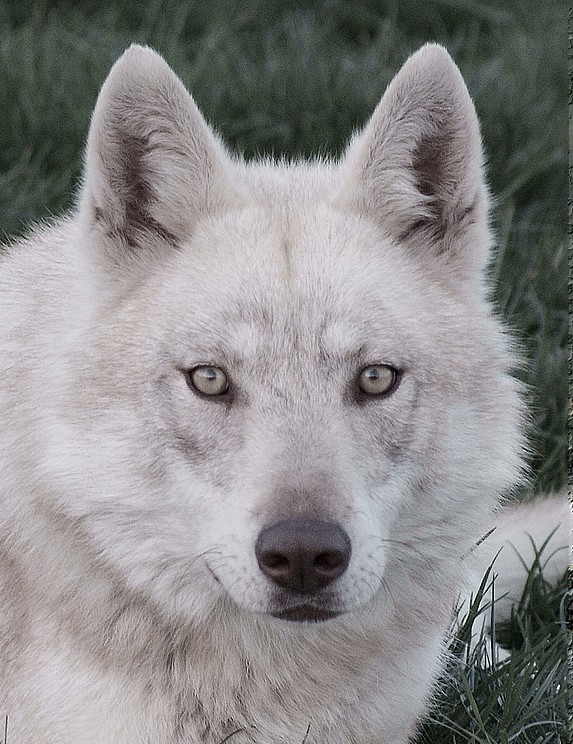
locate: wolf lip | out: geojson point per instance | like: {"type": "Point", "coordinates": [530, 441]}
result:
{"type": "Point", "coordinates": [305, 613]}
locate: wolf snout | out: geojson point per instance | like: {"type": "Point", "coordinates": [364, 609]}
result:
{"type": "Point", "coordinates": [303, 555]}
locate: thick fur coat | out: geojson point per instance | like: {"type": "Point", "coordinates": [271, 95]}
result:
{"type": "Point", "coordinates": [135, 607]}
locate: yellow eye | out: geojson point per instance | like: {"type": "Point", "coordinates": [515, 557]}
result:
{"type": "Point", "coordinates": [208, 380]}
{"type": "Point", "coordinates": [377, 379]}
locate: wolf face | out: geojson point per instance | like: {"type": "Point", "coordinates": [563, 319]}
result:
{"type": "Point", "coordinates": [286, 392]}
{"type": "Point", "coordinates": [253, 417]}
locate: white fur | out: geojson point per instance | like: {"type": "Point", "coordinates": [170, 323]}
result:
{"type": "Point", "coordinates": [133, 608]}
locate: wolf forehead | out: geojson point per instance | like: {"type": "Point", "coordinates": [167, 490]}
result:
{"type": "Point", "coordinates": [318, 279]}
{"type": "Point", "coordinates": [293, 238]}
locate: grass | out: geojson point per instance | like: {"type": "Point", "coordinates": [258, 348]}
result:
{"type": "Point", "coordinates": [296, 78]}
{"type": "Point", "coordinates": [525, 698]}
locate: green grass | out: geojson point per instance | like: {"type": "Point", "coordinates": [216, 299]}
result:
{"type": "Point", "coordinates": [292, 77]}
{"type": "Point", "coordinates": [525, 698]}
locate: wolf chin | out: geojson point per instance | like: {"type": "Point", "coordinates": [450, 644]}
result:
{"type": "Point", "coordinates": [254, 415]}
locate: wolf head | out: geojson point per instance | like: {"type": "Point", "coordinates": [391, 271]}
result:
{"type": "Point", "coordinates": [291, 396]}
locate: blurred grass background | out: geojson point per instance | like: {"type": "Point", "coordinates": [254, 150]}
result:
{"type": "Point", "coordinates": [295, 77]}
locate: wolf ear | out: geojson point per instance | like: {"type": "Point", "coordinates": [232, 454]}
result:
{"type": "Point", "coordinates": [417, 168]}
{"type": "Point", "coordinates": [153, 166]}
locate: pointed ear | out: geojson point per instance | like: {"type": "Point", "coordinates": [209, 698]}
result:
{"type": "Point", "coordinates": [417, 168]}
{"type": "Point", "coordinates": [153, 166]}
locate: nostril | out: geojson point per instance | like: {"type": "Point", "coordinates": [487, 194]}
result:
{"type": "Point", "coordinates": [275, 561]}
{"type": "Point", "coordinates": [327, 562]}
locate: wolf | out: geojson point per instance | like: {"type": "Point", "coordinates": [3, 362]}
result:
{"type": "Point", "coordinates": [256, 416]}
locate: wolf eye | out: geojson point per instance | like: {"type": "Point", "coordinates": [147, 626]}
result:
{"type": "Point", "coordinates": [208, 380]}
{"type": "Point", "coordinates": [377, 379]}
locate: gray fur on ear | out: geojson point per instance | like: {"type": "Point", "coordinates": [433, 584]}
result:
{"type": "Point", "coordinates": [153, 165]}
{"type": "Point", "coordinates": [417, 167]}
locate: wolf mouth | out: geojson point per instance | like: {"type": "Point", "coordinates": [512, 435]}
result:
{"type": "Point", "coordinates": [299, 613]}
{"type": "Point", "coordinates": [305, 613]}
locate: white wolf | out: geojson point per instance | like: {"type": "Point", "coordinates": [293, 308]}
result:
{"type": "Point", "coordinates": [253, 415]}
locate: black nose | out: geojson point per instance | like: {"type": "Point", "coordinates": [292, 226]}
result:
{"type": "Point", "coordinates": [303, 555]}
